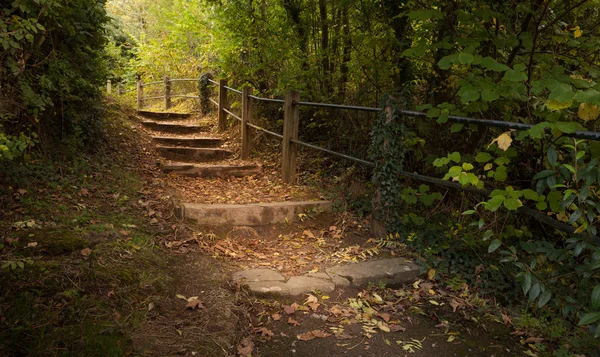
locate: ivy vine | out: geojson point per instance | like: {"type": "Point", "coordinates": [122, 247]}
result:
{"type": "Point", "coordinates": [204, 92]}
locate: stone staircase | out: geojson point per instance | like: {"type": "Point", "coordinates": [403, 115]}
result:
{"type": "Point", "coordinates": [189, 149]}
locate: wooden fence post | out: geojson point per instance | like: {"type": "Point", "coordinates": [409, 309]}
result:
{"type": "Point", "coordinates": [140, 94]}
{"type": "Point", "coordinates": [291, 116]}
{"type": "Point", "coordinates": [108, 86]}
{"type": "Point", "coordinates": [167, 93]}
{"type": "Point", "coordinates": [222, 104]}
{"type": "Point", "coordinates": [246, 117]}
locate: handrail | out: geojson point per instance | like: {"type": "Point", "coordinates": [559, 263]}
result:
{"type": "Point", "coordinates": [183, 79]}
{"type": "Point", "coordinates": [151, 83]}
{"type": "Point", "coordinates": [348, 157]}
{"type": "Point", "coordinates": [272, 100]}
{"type": "Point", "coordinates": [265, 130]}
{"type": "Point", "coordinates": [155, 97]}
{"type": "Point", "coordinates": [233, 89]}
{"type": "Point", "coordinates": [214, 102]}
{"type": "Point", "coordinates": [213, 82]}
{"type": "Point", "coordinates": [339, 106]}
{"type": "Point", "coordinates": [184, 96]}
{"type": "Point", "coordinates": [233, 115]}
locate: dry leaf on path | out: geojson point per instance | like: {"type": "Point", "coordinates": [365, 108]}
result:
{"type": "Point", "coordinates": [293, 322]}
{"type": "Point", "coordinates": [335, 310]}
{"type": "Point", "coordinates": [86, 252]}
{"type": "Point", "coordinates": [194, 304]}
{"type": "Point", "coordinates": [32, 245]}
{"type": "Point", "coordinates": [245, 347]}
{"type": "Point", "coordinates": [533, 340]}
{"type": "Point", "coordinates": [276, 317]}
{"type": "Point", "coordinates": [384, 315]}
{"type": "Point", "coordinates": [290, 310]}
{"type": "Point", "coordinates": [396, 328]}
{"type": "Point", "coordinates": [266, 333]}
{"type": "Point", "coordinates": [311, 335]}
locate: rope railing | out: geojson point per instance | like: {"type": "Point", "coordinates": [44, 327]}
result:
{"type": "Point", "coordinates": [291, 142]}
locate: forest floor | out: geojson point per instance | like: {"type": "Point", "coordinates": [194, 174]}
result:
{"type": "Point", "coordinates": [95, 263]}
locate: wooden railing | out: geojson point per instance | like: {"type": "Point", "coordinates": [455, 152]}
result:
{"type": "Point", "coordinates": [290, 142]}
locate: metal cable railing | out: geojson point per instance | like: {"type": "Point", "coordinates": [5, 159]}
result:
{"type": "Point", "coordinates": [233, 89]}
{"type": "Point", "coordinates": [265, 131]}
{"type": "Point", "coordinates": [232, 114]}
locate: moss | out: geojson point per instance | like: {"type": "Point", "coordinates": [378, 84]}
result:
{"type": "Point", "coordinates": [56, 242]}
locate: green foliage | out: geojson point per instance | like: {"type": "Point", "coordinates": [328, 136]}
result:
{"type": "Point", "coordinates": [51, 70]}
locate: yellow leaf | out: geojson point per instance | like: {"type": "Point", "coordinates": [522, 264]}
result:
{"type": "Point", "coordinates": [431, 274]}
{"type": "Point", "coordinates": [451, 338]}
{"type": "Point", "coordinates": [556, 105]}
{"type": "Point", "coordinates": [503, 141]}
{"type": "Point", "coordinates": [577, 31]}
{"type": "Point", "coordinates": [588, 112]}
{"type": "Point", "coordinates": [488, 166]}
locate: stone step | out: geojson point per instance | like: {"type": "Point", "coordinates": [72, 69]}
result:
{"type": "Point", "coordinates": [188, 142]}
{"type": "Point", "coordinates": [176, 128]}
{"type": "Point", "coordinates": [193, 154]}
{"type": "Point", "coordinates": [195, 170]}
{"type": "Point", "coordinates": [258, 214]}
{"type": "Point", "coordinates": [393, 271]}
{"type": "Point", "coordinates": [163, 115]}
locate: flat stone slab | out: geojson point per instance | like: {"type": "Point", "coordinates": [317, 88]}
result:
{"type": "Point", "coordinates": [298, 285]}
{"type": "Point", "coordinates": [193, 154]}
{"type": "Point", "coordinates": [269, 282]}
{"type": "Point", "coordinates": [388, 271]}
{"type": "Point", "coordinates": [163, 115]}
{"type": "Point", "coordinates": [194, 170]}
{"type": "Point", "coordinates": [254, 275]}
{"type": "Point", "coordinates": [258, 214]}
{"type": "Point", "coordinates": [266, 288]}
{"type": "Point", "coordinates": [188, 142]}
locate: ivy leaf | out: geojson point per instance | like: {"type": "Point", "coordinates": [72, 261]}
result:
{"type": "Point", "coordinates": [495, 244]}
{"type": "Point", "coordinates": [546, 295]}
{"type": "Point", "coordinates": [589, 318]}
{"type": "Point", "coordinates": [433, 112]}
{"type": "Point", "coordinates": [596, 297]}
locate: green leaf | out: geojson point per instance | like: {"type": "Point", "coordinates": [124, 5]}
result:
{"type": "Point", "coordinates": [447, 61]}
{"type": "Point", "coordinates": [512, 203]}
{"type": "Point", "coordinates": [465, 58]}
{"type": "Point", "coordinates": [554, 198]}
{"type": "Point", "coordinates": [590, 96]}
{"type": "Point", "coordinates": [489, 95]}
{"type": "Point", "coordinates": [552, 155]}
{"type": "Point", "coordinates": [491, 64]}
{"type": "Point", "coordinates": [467, 166]}
{"type": "Point", "coordinates": [589, 318]}
{"type": "Point", "coordinates": [468, 94]}
{"type": "Point", "coordinates": [538, 130]}
{"type": "Point", "coordinates": [456, 127]}
{"type": "Point", "coordinates": [487, 235]}
{"type": "Point", "coordinates": [596, 297]}
{"type": "Point", "coordinates": [513, 76]}
{"type": "Point", "coordinates": [433, 112]}
{"type": "Point", "coordinates": [567, 127]}
{"type": "Point", "coordinates": [495, 244]}
{"type": "Point", "coordinates": [526, 282]}
{"type": "Point", "coordinates": [560, 92]}
{"type": "Point", "coordinates": [530, 194]}
{"type": "Point", "coordinates": [500, 174]}
{"type": "Point", "coordinates": [543, 174]}
{"type": "Point", "coordinates": [546, 295]}
{"type": "Point", "coordinates": [443, 117]}
{"type": "Point", "coordinates": [483, 157]}
{"type": "Point", "coordinates": [542, 205]}
{"type": "Point", "coordinates": [455, 156]}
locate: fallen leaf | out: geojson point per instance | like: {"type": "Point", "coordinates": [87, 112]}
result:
{"type": "Point", "coordinates": [266, 333]}
{"type": "Point", "coordinates": [276, 317]}
{"type": "Point", "coordinates": [85, 252]}
{"type": "Point", "coordinates": [116, 316]}
{"type": "Point", "coordinates": [431, 274]}
{"type": "Point", "coordinates": [110, 293]}
{"type": "Point", "coordinates": [335, 310]}
{"type": "Point", "coordinates": [124, 232]}
{"type": "Point", "coordinates": [245, 347]}
{"type": "Point", "coordinates": [385, 316]}
{"type": "Point", "coordinates": [311, 299]}
{"type": "Point", "coordinates": [314, 306]}
{"type": "Point", "coordinates": [290, 310]}
{"type": "Point", "coordinates": [21, 191]}
{"type": "Point", "coordinates": [455, 305]}
{"type": "Point", "coordinates": [533, 340]}
{"type": "Point", "coordinates": [194, 304]}
{"type": "Point", "coordinates": [451, 338]}
{"type": "Point", "coordinates": [309, 234]}
{"type": "Point", "coordinates": [181, 297]}
{"type": "Point", "coordinates": [293, 322]}
{"type": "Point", "coordinates": [396, 328]}
{"type": "Point", "coordinates": [311, 335]}
{"type": "Point", "coordinates": [32, 244]}
{"type": "Point", "coordinates": [507, 320]}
